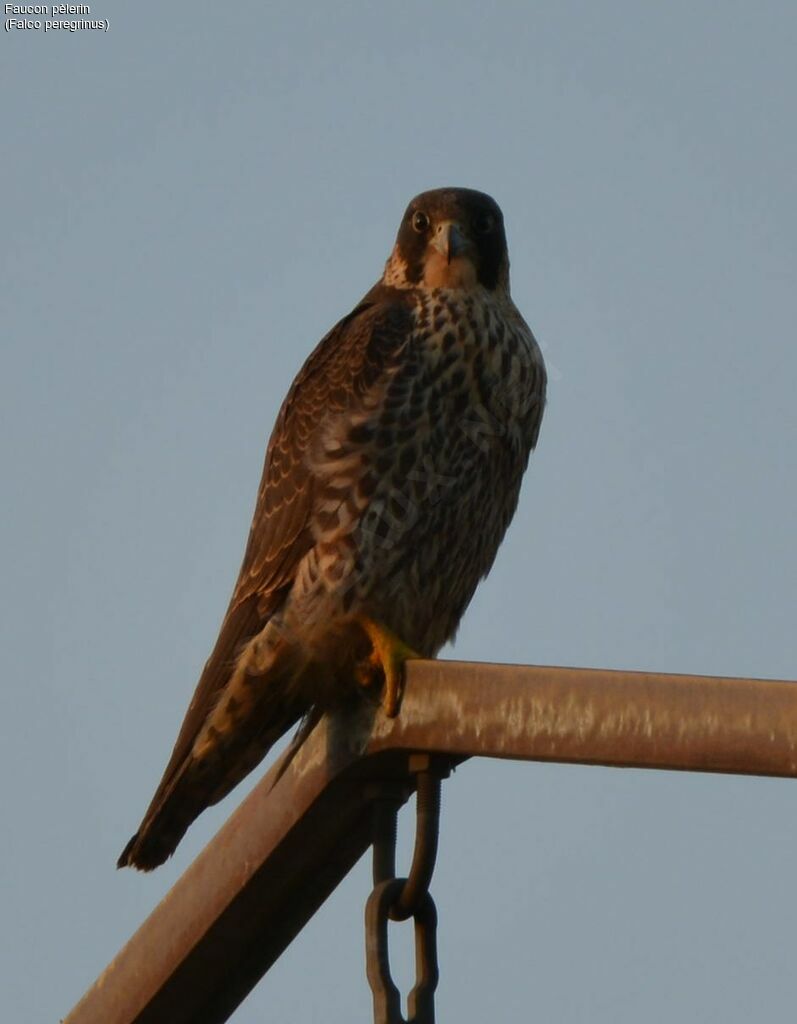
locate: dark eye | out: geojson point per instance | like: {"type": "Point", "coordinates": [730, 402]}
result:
{"type": "Point", "coordinates": [420, 222]}
{"type": "Point", "coordinates": [484, 223]}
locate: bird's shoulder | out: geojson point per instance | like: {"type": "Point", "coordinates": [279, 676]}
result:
{"type": "Point", "coordinates": [349, 359]}
{"type": "Point", "coordinates": [347, 364]}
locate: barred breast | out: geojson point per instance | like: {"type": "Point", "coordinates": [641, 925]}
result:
{"type": "Point", "coordinates": [420, 486]}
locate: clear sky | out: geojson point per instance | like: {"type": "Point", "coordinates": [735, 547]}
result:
{"type": "Point", "coordinates": [190, 200]}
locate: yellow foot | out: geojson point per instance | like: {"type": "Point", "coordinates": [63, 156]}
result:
{"type": "Point", "coordinates": [388, 654]}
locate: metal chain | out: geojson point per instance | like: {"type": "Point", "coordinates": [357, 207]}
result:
{"type": "Point", "coordinates": [398, 899]}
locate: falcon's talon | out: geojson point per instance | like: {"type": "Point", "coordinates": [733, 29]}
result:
{"type": "Point", "coordinates": [388, 654]}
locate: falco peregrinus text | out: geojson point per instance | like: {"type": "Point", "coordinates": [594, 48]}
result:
{"type": "Point", "coordinates": [391, 476]}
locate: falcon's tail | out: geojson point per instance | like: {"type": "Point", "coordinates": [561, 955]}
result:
{"type": "Point", "coordinates": [250, 716]}
{"type": "Point", "coordinates": [199, 784]}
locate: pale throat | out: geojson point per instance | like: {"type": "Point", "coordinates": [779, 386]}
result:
{"type": "Point", "coordinates": [437, 272]}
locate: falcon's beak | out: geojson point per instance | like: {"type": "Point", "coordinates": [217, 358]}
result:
{"type": "Point", "coordinates": [450, 241]}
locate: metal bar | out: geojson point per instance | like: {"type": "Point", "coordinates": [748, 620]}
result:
{"type": "Point", "coordinates": [308, 821]}
{"type": "Point", "coordinates": [595, 716]}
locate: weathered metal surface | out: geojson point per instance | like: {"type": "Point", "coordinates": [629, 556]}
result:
{"type": "Point", "coordinates": [592, 716]}
{"type": "Point", "coordinates": [294, 838]}
{"type": "Point", "coordinates": [247, 894]}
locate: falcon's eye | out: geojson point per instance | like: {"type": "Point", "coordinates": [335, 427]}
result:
{"type": "Point", "coordinates": [484, 223]}
{"type": "Point", "coordinates": [420, 222]}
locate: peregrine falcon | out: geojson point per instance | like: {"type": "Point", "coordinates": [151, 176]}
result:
{"type": "Point", "coordinates": [390, 478]}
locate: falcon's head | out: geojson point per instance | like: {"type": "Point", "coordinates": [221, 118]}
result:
{"type": "Point", "coordinates": [450, 238]}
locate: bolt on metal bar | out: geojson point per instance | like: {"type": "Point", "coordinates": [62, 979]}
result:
{"type": "Point", "coordinates": [386, 799]}
{"type": "Point", "coordinates": [424, 854]}
{"type": "Point", "coordinates": [301, 829]}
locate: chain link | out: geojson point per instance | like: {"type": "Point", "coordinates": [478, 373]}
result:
{"type": "Point", "coordinates": [398, 899]}
{"type": "Point", "coordinates": [387, 998]}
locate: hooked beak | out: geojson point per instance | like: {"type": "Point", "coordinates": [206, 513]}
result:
{"type": "Point", "coordinates": [450, 241]}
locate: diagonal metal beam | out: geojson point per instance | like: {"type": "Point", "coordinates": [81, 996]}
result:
{"type": "Point", "coordinates": [299, 832]}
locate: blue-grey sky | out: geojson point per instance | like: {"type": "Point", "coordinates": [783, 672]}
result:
{"type": "Point", "coordinates": [190, 200]}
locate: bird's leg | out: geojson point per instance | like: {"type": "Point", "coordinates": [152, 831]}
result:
{"type": "Point", "coordinates": [388, 653]}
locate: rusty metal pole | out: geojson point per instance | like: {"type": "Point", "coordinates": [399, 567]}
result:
{"type": "Point", "coordinates": [299, 832]}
